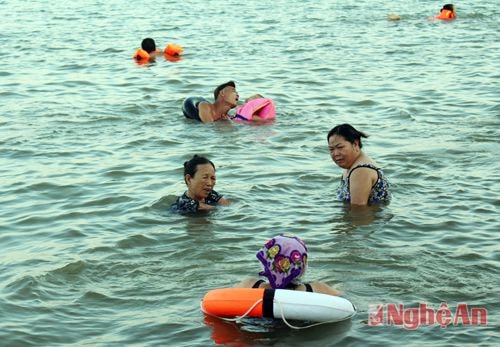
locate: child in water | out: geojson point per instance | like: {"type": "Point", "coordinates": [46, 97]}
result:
{"type": "Point", "coordinates": [199, 176]}
{"type": "Point", "coordinates": [284, 262]}
{"type": "Point", "coordinates": [148, 51]}
{"type": "Point", "coordinates": [447, 12]}
{"type": "Point", "coordinates": [256, 108]}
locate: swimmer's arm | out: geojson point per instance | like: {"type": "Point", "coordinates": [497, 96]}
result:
{"type": "Point", "coordinates": [224, 202]}
{"type": "Point", "coordinates": [247, 283]}
{"type": "Point", "coordinates": [205, 112]}
{"type": "Point", "coordinates": [153, 55]}
{"type": "Point", "coordinates": [202, 206]}
{"type": "Point", "coordinates": [221, 201]}
{"type": "Point", "coordinates": [320, 287]}
{"type": "Point", "coordinates": [257, 119]}
{"type": "Point", "coordinates": [360, 185]}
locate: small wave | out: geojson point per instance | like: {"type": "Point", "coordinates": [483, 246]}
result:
{"type": "Point", "coordinates": [164, 202]}
{"type": "Point", "coordinates": [136, 241]}
{"type": "Point", "coordinates": [22, 287]}
{"type": "Point", "coordinates": [71, 268]}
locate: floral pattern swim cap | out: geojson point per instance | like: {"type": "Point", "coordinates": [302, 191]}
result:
{"type": "Point", "coordinates": [283, 259]}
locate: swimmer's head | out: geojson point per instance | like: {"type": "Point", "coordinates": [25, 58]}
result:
{"type": "Point", "coordinates": [148, 45]}
{"type": "Point", "coordinates": [448, 7]}
{"type": "Point", "coordinates": [191, 166]}
{"type": "Point", "coordinates": [222, 86]}
{"type": "Point", "coordinates": [283, 260]}
{"type": "Point", "coordinates": [348, 132]}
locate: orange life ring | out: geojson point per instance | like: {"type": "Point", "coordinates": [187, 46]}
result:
{"type": "Point", "coordinates": [234, 302]}
{"type": "Point", "coordinates": [276, 303]}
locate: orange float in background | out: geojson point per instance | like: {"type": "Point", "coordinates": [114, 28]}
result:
{"type": "Point", "coordinates": [446, 15]}
{"type": "Point", "coordinates": [173, 49]}
{"type": "Point", "coordinates": [141, 55]}
{"type": "Point", "coordinates": [172, 52]}
{"type": "Point", "coordinates": [172, 58]}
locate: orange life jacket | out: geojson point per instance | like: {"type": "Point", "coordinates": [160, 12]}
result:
{"type": "Point", "coordinates": [446, 15]}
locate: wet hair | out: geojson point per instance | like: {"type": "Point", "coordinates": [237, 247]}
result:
{"type": "Point", "coordinates": [222, 86]}
{"type": "Point", "coordinates": [149, 45]}
{"type": "Point", "coordinates": [191, 166]}
{"type": "Point", "coordinates": [348, 132]}
{"type": "Point", "coordinates": [448, 7]}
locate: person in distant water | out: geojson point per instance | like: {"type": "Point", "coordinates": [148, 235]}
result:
{"type": "Point", "coordinates": [147, 52]}
{"type": "Point", "coordinates": [256, 108]}
{"type": "Point", "coordinates": [199, 176]}
{"type": "Point", "coordinates": [363, 181]}
{"type": "Point", "coordinates": [284, 261]}
{"type": "Point", "coordinates": [149, 45]}
{"type": "Point", "coordinates": [392, 16]}
{"type": "Point", "coordinates": [447, 13]}
{"type": "Point", "coordinates": [226, 98]}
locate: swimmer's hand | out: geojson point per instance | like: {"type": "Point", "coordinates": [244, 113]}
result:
{"type": "Point", "coordinates": [224, 202]}
{"type": "Point", "coordinates": [202, 206]}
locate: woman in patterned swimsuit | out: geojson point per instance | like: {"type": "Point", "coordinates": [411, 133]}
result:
{"type": "Point", "coordinates": [199, 175]}
{"type": "Point", "coordinates": [363, 181]}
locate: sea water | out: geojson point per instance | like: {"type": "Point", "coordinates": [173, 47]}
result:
{"type": "Point", "coordinates": [92, 147]}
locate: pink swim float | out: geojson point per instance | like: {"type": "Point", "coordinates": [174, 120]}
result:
{"type": "Point", "coordinates": [262, 107]}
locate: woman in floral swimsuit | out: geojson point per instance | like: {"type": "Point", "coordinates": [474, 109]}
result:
{"type": "Point", "coordinates": [363, 181]}
{"type": "Point", "coordinates": [199, 175]}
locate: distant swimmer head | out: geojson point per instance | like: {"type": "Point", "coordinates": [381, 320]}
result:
{"type": "Point", "coordinates": [447, 12]}
{"type": "Point", "coordinates": [283, 260]}
{"type": "Point", "coordinates": [149, 45]}
{"type": "Point", "coordinates": [393, 16]}
{"type": "Point", "coordinates": [449, 7]}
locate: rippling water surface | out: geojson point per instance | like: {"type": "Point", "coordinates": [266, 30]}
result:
{"type": "Point", "coordinates": [92, 146]}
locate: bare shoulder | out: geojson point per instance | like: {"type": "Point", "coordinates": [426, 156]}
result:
{"type": "Point", "coordinates": [205, 111]}
{"type": "Point", "coordinates": [363, 174]}
{"type": "Point", "coordinates": [204, 105]}
{"type": "Point", "coordinates": [361, 171]}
